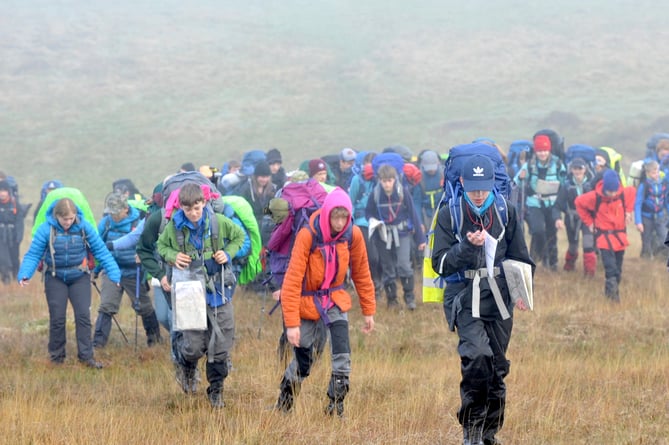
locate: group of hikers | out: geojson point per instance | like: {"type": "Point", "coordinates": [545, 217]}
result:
{"type": "Point", "coordinates": [310, 235]}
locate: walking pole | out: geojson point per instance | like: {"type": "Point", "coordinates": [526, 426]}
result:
{"type": "Point", "coordinates": [95, 285]}
{"type": "Point", "coordinates": [136, 305]}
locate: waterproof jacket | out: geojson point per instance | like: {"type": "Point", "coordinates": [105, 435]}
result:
{"type": "Point", "coordinates": [553, 170]}
{"type": "Point", "coordinates": [607, 214]}
{"type": "Point", "coordinates": [396, 210]}
{"type": "Point", "coordinates": [306, 273]}
{"type": "Point", "coordinates": [111, 230]}
{"type": "Point", "coordinates": [651, 199]}
{"type": "Point", "coordinates": [69, 250]}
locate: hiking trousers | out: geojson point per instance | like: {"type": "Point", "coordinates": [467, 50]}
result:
{"type": "Point", "coordinates": [577, 231]}
{"type": "Point", "coordinates": [111, 295]}
{"type": "Point", "coordinates": [216, 342]}
{"type": "Point", "coordinates": [396, 261]}
{"type": "Point", "coordinates": [483, 364]}
{"type": "Point", "coordinates": [653, 236]}
{"type": "Point", "coordinates": [543, 245]}
{"type": "Point", "coordinates": [311, 332]}
{"type": "Point", "coordinates": [79, 295]}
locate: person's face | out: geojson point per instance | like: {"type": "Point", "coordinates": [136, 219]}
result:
{"type": "Point", "coordinates": [654, 174]}
{"type": "Point", "coordinates": [345, 165]}
{"type": "Point", "coordinates": [578, 173]}
{"type": "Point", "coordinates": [263, 180]}
{"type": "Point", "coordinates": [118, 216]}
{"type": "Point", "coordinates": [543, 156]}
{"type": "Point", "coordinates": [321, 176]}
{"type": "Point", "coordinates": [388, 184]}
{"type": "Point", "coordinates": [661, 154]}
{"type": "Point", "coordinates": [66, 221]}
{"type": "Point", "coordinates": [4, 195]}
{"type": "Point", "coordinates": [478, 197]}
{"type": "Point", "coordinates": [610, 193]}
{"type": "Point", "coordinates": [274, 167]}
{"type": "Point", "coordinates": [194, 213]}
{"type": "Point", "coordinates": [233, 169]}
{"type": "Point", "coordinates": [338, 221]}
{"type": "Point", "coordinates": [600, 163]}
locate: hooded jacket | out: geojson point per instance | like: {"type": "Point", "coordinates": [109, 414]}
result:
{"type": "Point", "coordinates": [308, 270]}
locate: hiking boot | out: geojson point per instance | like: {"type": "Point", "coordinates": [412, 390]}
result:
{"type": "Point", "coordinates": [391, 294]}
{"type": "Point", "coordinates": [187, 378]}
{"type": "Point", "coordinates": [287, 396]}
{"type": "Point", "coordinates": [473, 435]}
{"type": "Point", "coordinates": [92, 363]}
{"type": "Point", "coordinates": [570, 261]}
{"type": "Point", "coordinates": [409, 297]}
{"type": "Point", "coordinates": [337, 390]}
{"type": "Point", "coordinates": [215, 396]}
{"type": "Point", "coordinates": [333, 407]}
{"type": "Point", "coordinates": [492, 441]}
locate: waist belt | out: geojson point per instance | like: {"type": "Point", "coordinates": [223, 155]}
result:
{"type": "Point", "coordinates": [393, 233]}
{"type": "Point", "coordinates": [475, 275]}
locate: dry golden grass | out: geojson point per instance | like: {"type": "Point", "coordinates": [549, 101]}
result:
{"type": "Point", "coordinates": [584, 371]}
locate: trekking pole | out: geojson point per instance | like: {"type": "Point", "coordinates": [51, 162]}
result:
{"type": "Point", "coordinates": [136, 305]}
{"type": "Point", "coordinates": [95, 285]}
{"type": "Point", "coordinates": [262, 309]}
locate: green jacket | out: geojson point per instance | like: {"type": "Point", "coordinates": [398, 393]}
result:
{"type": "Point", "coordinates": [230, 239]}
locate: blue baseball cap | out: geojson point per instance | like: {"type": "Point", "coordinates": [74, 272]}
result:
{"type": "Point", "coordinates": [478, 173]}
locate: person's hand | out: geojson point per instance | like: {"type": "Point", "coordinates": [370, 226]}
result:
{"type": "Point", "coordinates": [520, 304]}
{"type": "Point", "coordinates": [629, 218]}
{"type": "Point", "coordinates": [165, 284]}
{"type": "Point", "coordinates": [293, 336]}
{"type": "Point", "coordinates": [421, 246]}
{"type": "Point", "coordinates": [559, 224]}
{"type": "Point", "coordinates": [476, 238]}
{"type": "Point", "coordinates": [23, 282]}
{"type": "Point", "coordinates": [639, 227]}
{"type": "Point", "coordinates": [521, 174]}
{"type": "Point", "coordinates": [591, 227]}
{"type": "Point", "coordinates": [220, 257]}
{"type": "Point", "coordinates": [276, 295]}
{"type": "Point", "coordinates": [369, 324]}
{"type": "Point", "coordinates": [182, 261]}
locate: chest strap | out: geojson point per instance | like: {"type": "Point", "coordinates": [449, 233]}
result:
{"type": "Point", "coordinates": [475, 275]}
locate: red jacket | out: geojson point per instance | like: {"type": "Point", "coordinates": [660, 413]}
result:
{"type": "Point", "coordinates": [609, 220]}
{"type": "Point", "coordinates": [310, 266]}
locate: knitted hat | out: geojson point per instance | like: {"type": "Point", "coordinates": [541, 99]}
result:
{"type": "Point", "coordinates": [279, 209]}
{"type": "Point", "coordinates": [610, 181]}
{"type": "Point", "coordinates": [347, 155]}
{"type": "Point", "coordinates": [262, 169]}
{"type": "Point", "coordinates": [542, 143]}
{"type": "Point", "coordinates": [4, 185]}
{"type": "Point", "coordinates": [429, 161]}
{"type": "Point", "coordinates": [273, 156]}
{"type": "Point", "coordinates": [315, 166]}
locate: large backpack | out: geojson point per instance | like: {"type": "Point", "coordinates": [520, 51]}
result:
{"type": "Point", "coordinates": [433, 284]}
{"type": "Point", "coordinates": [557, 141]}
{"type": "Point", "coordinates": [65, 192]}
{"type": "Point", "coordinates": [520, 151]}
{"type": "Point", "coordinates": [615, 163]}
{"type": "Point", "coordinates": [244, 212]}
{"type": "Point", "coordinates": [303, 199]}
{"type": "Point", "coordinates": [585, 152]}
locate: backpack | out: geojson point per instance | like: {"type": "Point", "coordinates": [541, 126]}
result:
{"type": "Point", "coordinates": [519, 152]}
{"type": "Point", "coordinates": [651, 145]}
{"type": "Point", "coordinates": [303, 199]}
{"type": "Point", "coordinates": [615, 159]}
{"type": "Point", "coordinates": [65, 192]}
{"type": "Point", "coordinates": [585, 152]}
{"type": "Point", "coordinates": [557, 141]}
{"type": "Point", "coordinates": [433, 284]}
{"type": "Point", "coordinates": [244, 212]}
{"type": "Point", "coordinates": [390, 158]}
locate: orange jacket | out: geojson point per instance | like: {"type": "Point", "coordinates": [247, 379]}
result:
{"type": "Point", "coordinates": [310, 267]}
{"type": "Point", "coordinates": [609, 222]}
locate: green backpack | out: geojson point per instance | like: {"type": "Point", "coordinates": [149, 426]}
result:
{"type": "Point", "coordinates": [64, 192]}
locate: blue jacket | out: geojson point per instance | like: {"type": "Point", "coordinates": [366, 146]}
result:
{"type": "Point", "coordinates": [652, 198]}
{"type": "Point", "coordinates": [69, 250]}
{"type": "Point", "coordinates": [111, 230]}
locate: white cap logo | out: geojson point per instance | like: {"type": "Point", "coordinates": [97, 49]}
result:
{"type": "Point", "coordinates": [478, 171]}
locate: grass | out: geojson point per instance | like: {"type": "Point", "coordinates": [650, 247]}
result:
{"type": "Point", "coordinates": [584, 371]}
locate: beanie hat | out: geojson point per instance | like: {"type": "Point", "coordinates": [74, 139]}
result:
{"type": "Point", "coordinates": [610, 181]}
{"type": "Point", "coordinates": [542, 143]}
{"type": "Point", "coordinates": [279, 209]}
{"type": "Point", "coordinates": [274, 155]}
{"type": "Point", "coordinates": [4, 185]}
{"type": "Point", "coordinates": [347, 155]}
{"type": "Point", "coordinates": [577, 163]}
{"type": "Point", "coordinates": [262, 169]}
{"type": "Point", "coordinates": [315, 166]}
{"type": "Point", "coordinates": [429, 160]}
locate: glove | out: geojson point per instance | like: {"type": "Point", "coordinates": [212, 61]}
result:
{"type": "Point", "coordinates": [110, 245]}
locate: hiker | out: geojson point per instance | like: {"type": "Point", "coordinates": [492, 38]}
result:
{"type": "Point", "coordinates": [318, 170]}
{"type": "Point", "coordinates": [574, 186]}
{"type": "Point", "coordinates": [186, 167]}
{"type": "Point", "coordinates": [541, 178]}
{"type": "Point", "coordinates": [314, 292]}
{"type": "Point", "coordinates": [10, 218]}
{"type": "Point", "coordinates": [391, 208]}
{"type": "Point", "coordinates": [119, 220]}
{"type": "Point", "coordinates": [47, 188]}
{"type": "Point", "coordinates": [275, 162]}
{"type": "Point", "coordinates": [431, 185]}
{"type": "Point", "coordinates": [484, 334]}
{"type": "Point", "coordinates": [258, 190]}
{"type": "Point", "coordinates": [606, 211]}
{"type": "Point", "coordinates": [362, 186]}
{"type": "Point", "coordinates": [64, 242]}
{"type": "Point", "coordinates": [650, 210]}
{"type": "Point", "coordinates": [191, 243]}
{"type": "Point", "coordinates": [343, 168]}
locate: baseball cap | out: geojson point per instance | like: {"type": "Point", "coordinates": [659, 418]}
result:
{"type": "Point", "coordinates": [478, 173]}
{"type": "Point", "coordinates": [429, 160]}
{"type": "Point", "coordinates": [115, 203]}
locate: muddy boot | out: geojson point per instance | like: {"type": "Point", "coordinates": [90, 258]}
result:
{"type": "Point", "coordinates": [407, 287]}
{"type": "Point", "coordinates": [611, 289]}
{"type": "Point", "coordinates": [472, 435]}
{"type": "Point", "coordinates": [378, 290]}
{"type": "Point", "coordinates": [337, 390]}
{"type": "Point", "coordinates": [570, 261]}
{"type": "Point", "coordinates": [589, 264]}
{"type": "Point", "coordinates": [152, 329]}
{"type": "Point", "coordinates": [289, 391]}
{"type": "Point", "coordinates": [215, 395]}
{"type": "Point", "coordinates": [391, 294]}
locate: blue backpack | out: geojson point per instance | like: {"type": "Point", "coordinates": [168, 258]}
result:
{"type": "Point", "coordinates": [585, 152]}
{"type": "Point", "coordinates": [519, 151]}
{"type": "Point", "coordinates": [651, 145]}
{"type": "Point", "coordinates": [457, 157]}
